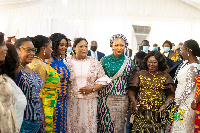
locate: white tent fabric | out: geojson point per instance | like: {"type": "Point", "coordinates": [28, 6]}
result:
{"type": "Point", "coordinates": [100, 19]}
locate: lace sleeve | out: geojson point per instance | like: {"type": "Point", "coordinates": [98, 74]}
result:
{"type": "Point", "coordinates": [101, 77]}
{"type": "Point", "coordinates": [40, 69]}
{"type": "Point", "coordinates": [190, 84]}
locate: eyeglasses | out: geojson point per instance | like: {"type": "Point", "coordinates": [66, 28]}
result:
{"type": "Point", "coordinates": [153, 63]}
{"type": "Point", "coordinates": [29, 50]}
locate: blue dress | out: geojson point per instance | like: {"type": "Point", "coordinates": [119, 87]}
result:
{"type": "Point", "coordinates": [60, 123]}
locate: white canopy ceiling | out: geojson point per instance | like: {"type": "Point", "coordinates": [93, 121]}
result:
{"type": "Point", "coordinates": [175, 20]}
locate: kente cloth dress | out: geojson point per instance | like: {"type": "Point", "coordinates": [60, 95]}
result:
{"type": "Point", "coordinates": [49, 91]}
{"type": "Point", "coordinates": [82, 109]}
{"type": "Point", "coordinates": [151, 91]}
{"type": "Point", "coordinates": [12, 105]}
{"type": "Point", "coordinates": [61, 107]}
{"type": "Point", "coordinates": [31, 85]}
{"type": "Point", "coordinates": [113, 99]}
{"type": "Point", "coordinates": [197, 116]}
{"type": "Point", "coordinates": [184, 95]}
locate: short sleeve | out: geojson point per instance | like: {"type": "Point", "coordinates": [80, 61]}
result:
{"type": "Point", "coordinates": [169, 83]}
{"type": "Point", "coordinates": [135, 80]}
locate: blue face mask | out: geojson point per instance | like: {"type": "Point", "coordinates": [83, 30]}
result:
{"type": "Point", "coordinates": [69, 49]}
{"type": "Point", "coordinates": [166, 49]}
{"type": "Point", "coordinates": [155, 49]}
{"type": "Point", "coordinates": [145, 48]}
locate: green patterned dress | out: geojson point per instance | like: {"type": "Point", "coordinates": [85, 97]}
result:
{"type": "Point", "coordinates": [113, 99]}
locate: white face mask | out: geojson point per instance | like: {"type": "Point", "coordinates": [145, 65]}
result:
{"type": "Point", "coordinates": [145, 48]}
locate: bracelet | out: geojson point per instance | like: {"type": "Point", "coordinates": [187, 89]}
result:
{"type": "Point", "coordinates": [93, 89]}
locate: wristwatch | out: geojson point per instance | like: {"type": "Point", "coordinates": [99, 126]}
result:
{"type": "Point", "coordinates": [93, 89]}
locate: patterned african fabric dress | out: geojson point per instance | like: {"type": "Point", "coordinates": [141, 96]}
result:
{"type": "Point", "coordinates": [151, 93]}
{"type": "Point", "coordinates": [48, 94]}
{"type": "Point", "coordinates": [184, 95]}
{"type": "Point", "coordinates": [197, 116]}
{"type": "Point", "coordinates": [113, 99]}
{"type": "Point", "coordinates": [60, 123]}
{"type": "Point", "coordinates": [31, 85]}
{"type": "Point", "coordinates": [12, 105]}
{"type": "Point", "coordinates": [82, 109]}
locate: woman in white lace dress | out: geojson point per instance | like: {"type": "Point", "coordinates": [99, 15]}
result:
{"type": "Point", "coordinates": [87, 77]}
{"type": "Point", "coordinates": [12, 99]}
{"type": "Point", "coordinates": [186, 89]}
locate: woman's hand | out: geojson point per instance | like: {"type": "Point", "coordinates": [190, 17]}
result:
{"type": "Point", "coordinates": [194, 105]}
{"type": "Point", "coordinates": [162, 108]}
{"type": "Point", "coordinates": [85, 90]}
{"type": "Point", "coordinates": [134, 106]}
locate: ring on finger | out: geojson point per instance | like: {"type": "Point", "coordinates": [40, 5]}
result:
{"type": "Point", "coordinates": [84, 92]}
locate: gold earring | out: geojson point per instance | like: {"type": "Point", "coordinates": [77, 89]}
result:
{"type": "Point", "coordinates": [44, 52]}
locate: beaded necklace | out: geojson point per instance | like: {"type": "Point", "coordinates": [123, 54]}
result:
{"type": "Point", "coordinates": [39, 58]}
{"type": "Point", "coordinates": [154, 75]}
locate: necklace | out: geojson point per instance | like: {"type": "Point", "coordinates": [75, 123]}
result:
{"type": "Point", "coordinates": [39, 58]}
{"type": "Point", "coordinates": [154, 75]}
{"type": "Point", "coordinates": [22, 66]}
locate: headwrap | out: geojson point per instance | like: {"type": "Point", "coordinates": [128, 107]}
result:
{"type": "Point", "coordinates": [9, 39]}
{"type": "Point", "coordinates": [117, 36]}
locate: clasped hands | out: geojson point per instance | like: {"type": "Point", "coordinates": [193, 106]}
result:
{"type": "Point", "coordinates": [134, 106]}
{"type": "Point", "coordinates": [85, 90]}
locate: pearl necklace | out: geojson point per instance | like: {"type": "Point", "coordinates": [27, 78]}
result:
{"type": "Point", "coordinates": [39, 58]}
{"type": "Point", "coordinates": [154, 75]}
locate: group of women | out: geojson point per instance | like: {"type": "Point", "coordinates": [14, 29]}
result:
{"type": "Point", "coordinates": [41, 92]}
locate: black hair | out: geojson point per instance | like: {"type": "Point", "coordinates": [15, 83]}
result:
{"type": "Point", "coordinates": [193, 46]}
{"type": "Point", "coordinates": [167, 41]}
{"type": "Point", "coordinates": [56, 38]}
{"type": "Point", "coordinates": [20, 42]}
{"type": "Point", "coordinates": [1, 38]}
{"type": "Point", "coordinates": [162, 65]}
{"type": "Point", "coordinates": [11, 62]}
{"type": "Point", "coordinates": [145, 41]}
{"type": "Point", "coordinates": [40, 41]}
{"type": "Point", "coordinates": [139, 56]}
{"type": "Point", "coordinates": [77, 41]}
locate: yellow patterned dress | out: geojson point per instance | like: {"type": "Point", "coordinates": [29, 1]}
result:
{"type": "Point", "coordinates": [49, 92]}
{"type": "Point", "coordinates": [151, 95]}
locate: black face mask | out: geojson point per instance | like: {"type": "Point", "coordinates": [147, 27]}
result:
{"type": "Point", "coordinates": [93, 48]}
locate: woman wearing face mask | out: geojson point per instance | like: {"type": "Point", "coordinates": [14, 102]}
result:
{"type": "Point", "coordinates": [49, 76]}
{"type": "Point", "coordinates": [150, 92]}
{"type": "Point", "coordinates": [87, 78]}
{"type": "Point", "coordinates": [31, 84]}
{"type": "Point", "coordinates": [186, 88]}
{"type": "Point", "coordinates": [59, 46]}
{"type": "Point", "coordinates": [167, 46]}
{"type": "Point", "coordinates": [12, 99]}
{"type": "Point", "coordinates": [113, 99]}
